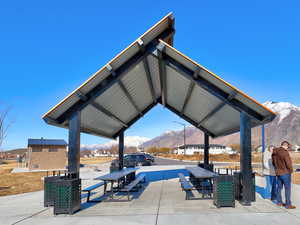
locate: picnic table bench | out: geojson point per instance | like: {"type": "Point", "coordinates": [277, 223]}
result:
{"type": "Point", "coordinates": [127, 188]}
{"type": "Point", "coordinates": [202, 179]}
{"type": "Point", "coordinates": [115, 177]}
{"type": "Point", "coordinates": [91, 188]}
{"type": "Point", "coordinates": [185, 185]}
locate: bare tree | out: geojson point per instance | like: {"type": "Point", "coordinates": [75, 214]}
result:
{"type": "Point", "coordinates": [4, 124]}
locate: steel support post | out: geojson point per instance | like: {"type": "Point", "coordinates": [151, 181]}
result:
{"type": "Point", "coordinates": [206, 149]}
{"type": "Point", "coordinates": [121, 150]}
{"type": "Point", "coordinates": [245, 159]}
{"type": "Point", "coordinates": [74, 145]}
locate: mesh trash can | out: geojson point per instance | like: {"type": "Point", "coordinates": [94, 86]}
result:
{"type": "Point", "coordinates": [67, 196]}
{"type": "Point", "coordinates": [223, 189]}
{"type": "Point", "coordinates": [49, 190]}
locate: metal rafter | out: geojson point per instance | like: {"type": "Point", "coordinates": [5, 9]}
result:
{"type": "Point", "coordinates": [147, 70]}
{"type": "Point", "coordinates": [108, 113]}
{"type": "Point", "coordinates": [217, 108]}
{"type": "Point", "coordinates": [129, 97]}
{"type": "Point", "coordinates": [101, 109]}
{"type": "Point", "coordinates": [188, 96]}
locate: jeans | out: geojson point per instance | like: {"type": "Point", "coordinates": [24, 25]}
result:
{"type": "Point", "coordinates": [271, 187]}
{"type": "Point", "coordinates": [284, 180]}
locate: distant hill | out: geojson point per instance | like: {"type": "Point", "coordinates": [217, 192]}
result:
{"type": "Point", "coordinates": [17, 151]}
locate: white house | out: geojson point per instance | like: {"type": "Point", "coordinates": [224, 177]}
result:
{"type": "Point", "coordinates": [192, 149]}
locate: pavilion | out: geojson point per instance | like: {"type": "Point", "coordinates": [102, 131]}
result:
{"type": "Point", "coordinates": [152, 71]}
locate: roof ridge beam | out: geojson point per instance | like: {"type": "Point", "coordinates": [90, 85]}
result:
{"type": "Point", "coordinates": [217, 108]}
{"type": "Point", "coordinates": [162, 72]}
{"type": "Point", "coordinates": [147, 70]}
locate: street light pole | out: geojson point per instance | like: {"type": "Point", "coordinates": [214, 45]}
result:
{"type": "Point", "coordinates": [184, 125]}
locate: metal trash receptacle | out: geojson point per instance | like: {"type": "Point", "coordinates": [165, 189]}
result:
{"type": "Point", "coordinates": [223, 191]}
{"type": "Point", "coordinates": [67, 197]}
{"type": "Point", "coordinates": [49, 190]}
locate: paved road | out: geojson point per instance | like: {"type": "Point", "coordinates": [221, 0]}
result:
{"type": "Point", "coordinates": [165, 162]}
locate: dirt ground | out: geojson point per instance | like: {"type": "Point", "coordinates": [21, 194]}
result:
{"type": "Point", "coordinates": [17, 183]}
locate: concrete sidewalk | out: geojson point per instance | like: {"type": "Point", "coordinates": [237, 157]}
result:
{"type": "Point", "coordinates": [161, 202]}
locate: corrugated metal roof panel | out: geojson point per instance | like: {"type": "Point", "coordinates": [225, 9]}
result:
{"type": "Point", "coordinates": [93, 118]}
{"type": "Point", "coordinates": [43, 141]}
{"type": "Point", "coordinates": [115, 101]}
{"type": "Point", "coordinates": [223, 121]}
{"type": "Point", "coordinates": [136, 84]}
{"type": "Point", "coordinates": [177, 87]}
{"type": "Point", "coordinates": [200, 104]}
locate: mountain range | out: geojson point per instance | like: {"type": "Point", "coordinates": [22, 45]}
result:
{"type": "Point", "coordinates": [286, 126]}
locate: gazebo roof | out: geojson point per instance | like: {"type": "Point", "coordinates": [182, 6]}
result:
{"type": "Point", "coordinates": [151, 71]}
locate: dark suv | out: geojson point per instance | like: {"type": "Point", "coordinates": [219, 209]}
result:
{"type": "Point", "coordinates": [136, 160]}
{"type": "Point", "coordinates": [149, 157]}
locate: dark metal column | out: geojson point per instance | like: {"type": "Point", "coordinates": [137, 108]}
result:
{"type": "Point", "coordinates": [74, 145]}
{"type": "Point", "coordinates": [245, 159]}
{"type": "Point", "coordinates": [121, 150]}
{"type": "Point", "coordinates": [206, 149]}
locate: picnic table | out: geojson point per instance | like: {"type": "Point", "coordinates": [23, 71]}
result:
{"type": "Point", "coordinates": [201, 173]}
{"type": "Point", "coordinates": [202, 179]}
{"type": "Point", "coordinates": [116, 176]}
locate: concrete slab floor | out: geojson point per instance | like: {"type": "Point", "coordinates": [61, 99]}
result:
{"type": "Point", "coordinates": [161, 202]}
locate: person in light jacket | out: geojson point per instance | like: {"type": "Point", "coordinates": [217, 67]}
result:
{"type": "Point", "coordinates": [270, 175]}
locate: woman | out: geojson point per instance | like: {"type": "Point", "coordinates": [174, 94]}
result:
{"type": "Point", "coordinates": [270, 175]}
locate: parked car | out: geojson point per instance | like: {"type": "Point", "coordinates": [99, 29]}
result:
{"type": "Point", "coordinates": [131, 160]}
{"type": "Point", "coordinates": [149, 157]}
{"type": "Point", "coordinates": [136, 160]}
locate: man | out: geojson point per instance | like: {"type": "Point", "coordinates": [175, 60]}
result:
{"type": "Point", "coordinates": [283, 168]}
{"type": "Point", "coordinates": [270, 175]}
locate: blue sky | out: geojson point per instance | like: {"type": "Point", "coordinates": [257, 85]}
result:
{"type": "Point", "coordinates": [48, 48]}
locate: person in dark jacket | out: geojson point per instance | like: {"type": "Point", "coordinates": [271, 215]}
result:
{"type": "Point", "coordinates": [283, 168]}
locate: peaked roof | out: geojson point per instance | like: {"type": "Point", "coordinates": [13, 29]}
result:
{"type": "Point", "coordinates": [151, 71]}
{"type": "Point", "coordinates": [43, 141]}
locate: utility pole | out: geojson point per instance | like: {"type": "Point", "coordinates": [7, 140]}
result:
{"type": "Point", "coordinates": [184, 143]}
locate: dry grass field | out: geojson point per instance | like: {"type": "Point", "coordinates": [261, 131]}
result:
{"type": "Point", "coordinates": [95, 160]}
{"type": "Point", "coordinates": [16, 183]}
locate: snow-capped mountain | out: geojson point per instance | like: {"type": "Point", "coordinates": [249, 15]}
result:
{"type": "Point", "coordinates": [129, 141]}
{"type": "Point", "coordinates": [286, 126]}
